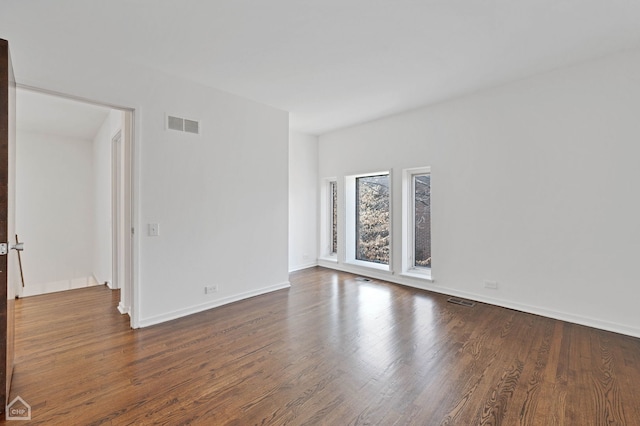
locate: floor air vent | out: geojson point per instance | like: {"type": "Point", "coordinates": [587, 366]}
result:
{"type": "Point", "coordinates": [363, 279]}
{"type": "Point", "coordinates": [462, 302]}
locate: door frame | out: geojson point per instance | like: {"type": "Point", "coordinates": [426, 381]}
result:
{"type": "Point", "coordinates": [129, 301]}
{"type": "Point", "coordinates": [8, 262]}
{"type": "Point", "coordinates": [118, 276]}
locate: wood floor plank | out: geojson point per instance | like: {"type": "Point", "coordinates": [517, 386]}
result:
{"type": "Point", "coordinates": [330, 350]}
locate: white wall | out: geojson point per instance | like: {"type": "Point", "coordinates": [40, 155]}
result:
{"type": "Point", "coordinates": [303, 198]}
{"type": "Point", "coordinates": [54, 211]}
{"type": "Point", "coordinates": [101, 179]}
{"type": "Point", "coordinates": [221, 199]}
{"type": "Point", "coordinates": [534, 185]}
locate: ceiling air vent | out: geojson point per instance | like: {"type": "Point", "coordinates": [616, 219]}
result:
{"type": "Point", "coordinates": [183, 124]}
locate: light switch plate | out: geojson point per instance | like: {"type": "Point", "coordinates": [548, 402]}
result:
{"type": "Point", "coordinates": [154, 229]}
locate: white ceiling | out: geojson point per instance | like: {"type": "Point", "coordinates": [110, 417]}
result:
{"type": "Point", "coordinates": [43, 113]}
{"type": "Point", "coordinates": [331, 63]}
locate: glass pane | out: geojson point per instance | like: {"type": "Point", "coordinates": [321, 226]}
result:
{"type": "Point", "coordinates": [422, 221]}
{"type": "Point", "coordinates": [334, 216]}
{"type": "Point", "coordinates": [372, 219]}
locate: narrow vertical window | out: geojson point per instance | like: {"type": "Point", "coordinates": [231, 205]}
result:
{"type": "Point", "coordinates": [416, 223]}
{"type": "Point", "coordinates": [329, 220]}
{"type": "Point", "coordinates": [333, 202]}
{"type": "Point", "coordinates": [372, 219]}
{"type": "Point", "coordinates": [421, 221]}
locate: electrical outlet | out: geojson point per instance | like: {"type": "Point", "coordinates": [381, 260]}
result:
{"type": "Point", "coordinates": [493, 285]}
{"type": "Point", "coordinates": [210, 289]}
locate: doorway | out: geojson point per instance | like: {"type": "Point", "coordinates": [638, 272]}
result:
{"type": "Point", "coordinates": [74, 208]}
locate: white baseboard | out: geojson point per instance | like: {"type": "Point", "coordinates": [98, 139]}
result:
{"type": "Point", "coordinates": [537, 310]}
{"type": "Point", "coordinates": [124, 309]}
{"type": "Point", "coordinates": [157, 319]}
{"type": "Point", "coordinates": [301, 267]}
{"type": "Point", "coordinates": [107, 282]}
{"type": "Point", "coordinates": [56, 286]}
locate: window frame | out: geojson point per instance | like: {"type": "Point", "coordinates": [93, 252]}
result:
{"type": "Point", "coordinates": [326, 219]}
{"type": "Point", "coordinates": [333, 217]}
{"type": "Point", "coordinates": [350, 221]}
{"type": "Point", "coordinates": [408, 224]}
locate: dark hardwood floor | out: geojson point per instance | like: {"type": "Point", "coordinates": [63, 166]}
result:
{"type": "Point", "coordinates": [330, 350]}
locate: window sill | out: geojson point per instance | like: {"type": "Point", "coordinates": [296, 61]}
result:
{"type": "Point", "coordinates": [426, 276]}
{"type": "Point", "coordinates": [370, 265]}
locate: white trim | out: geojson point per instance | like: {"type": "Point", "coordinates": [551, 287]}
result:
{"type": "Point", "coordinates": [56, 286]}
{"type": "Point", "coordinates": [96, 280]}
{"type": "Point", "coordinates": [537, 310]}
{"type": "Point", "coordinates": [157, 319]}
{"type": "Point", "coordinates": [392, 252]}
{"type": "Point", "coordinates": [305, 266]}
{"type": "Point", "coordinates": [126, 212]}
{"type": "Point", "coordinates": [349, 218]}
{"type": "Point", "coordinates": [332, 258]}
{"type": "Point", "coordinates": [117, 210]}
{"type": "Point", "coordinates": [135, 134]}
{"type": "Point", "coordinates": [359, 269]}
{"type": "Point", "coordinates": [72, 97]}
{"type": "Point", "coordinates": [408, 218]}
{"type": "Point", "coordinates": [421, 275]}
{"type": "Point", "coordinates": [123, 309]}
{"type": "Point", "coordinates": [136, 137]}
{"type": "Point", "coordinates": [333, 221]}
{"type": "Point", "coordinates": [423, 284]}
{"type": "Point", "coordinates": [326, 215]}
{"type": "Point", "coordinates": [371, 265]}
{"type": "Point", "coordinates": [349, 221]}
